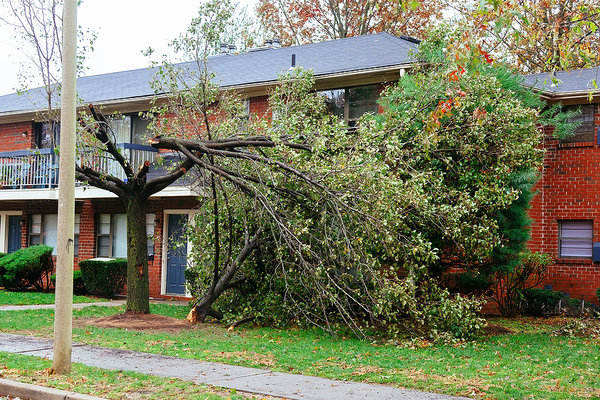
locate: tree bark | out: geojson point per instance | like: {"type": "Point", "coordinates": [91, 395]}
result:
{"type": "Point", "coordinates": [138, 290]}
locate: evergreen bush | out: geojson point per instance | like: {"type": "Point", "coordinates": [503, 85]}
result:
{"type": "Point", "coordinates": [104, 277]}
{"type": "Point", "coordinates": [539, 301]}
{"type": "Point", "coordinates": [78, 284]}
{"type": "Point", "coordinates": [26, 267]}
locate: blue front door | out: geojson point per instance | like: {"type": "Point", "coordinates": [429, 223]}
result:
{"type": "Point", "coordinates": [176, 253]}
{"type": "Point", "coordinates": [14, 233]}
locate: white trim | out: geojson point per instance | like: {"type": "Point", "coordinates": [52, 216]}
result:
{"type": "Point", "coordinates": [4, 228]}
{"type": "Point", "coordinates": [88, 192]}
{"type": "Point", "coordinates": [164, 249]}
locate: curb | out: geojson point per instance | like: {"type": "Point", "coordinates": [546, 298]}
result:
{"type": "Point", "coordinates": [26, 391]}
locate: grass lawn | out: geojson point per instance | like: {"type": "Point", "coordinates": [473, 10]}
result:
{"type": "Point", "coordinates": [30, 298]}
{"type": "Point", "coordinates": [530, 363]}
{"type": "Point", "coordinates": [108, 384]}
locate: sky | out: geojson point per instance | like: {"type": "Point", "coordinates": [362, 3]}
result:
{"type": "Point", "coordinates": [124, 27]}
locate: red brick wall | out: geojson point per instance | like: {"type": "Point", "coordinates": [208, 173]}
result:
{"type": "Point", "coordinates": [569, 189]}
{"type": "Point", "coordinates": [12, 136]}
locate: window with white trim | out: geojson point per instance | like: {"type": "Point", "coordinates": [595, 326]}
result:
{"type": "Point", "coordinates": [150, 225]}
{"type": "Point", "coordinates": [43, 230]}
{"type": "Point", "coordinates": [111, 236]}
{"type": "Point", "coordinates": [575, 239]}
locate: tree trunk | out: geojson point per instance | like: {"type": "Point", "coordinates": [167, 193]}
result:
{"type": "Point", "coordinates": [138, 289]}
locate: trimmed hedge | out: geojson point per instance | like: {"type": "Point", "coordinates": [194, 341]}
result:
{"type": "Point", "coordinates": [26, 267]}
{"type": "Point", "coordinates": [104, 277]}
{"type": "Point", "coordinates": [540, 301]}
{"type": "Point", "coordinates": [78, 285]}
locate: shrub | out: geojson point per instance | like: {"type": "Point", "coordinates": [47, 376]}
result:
{"type": "Point", "coordinates": [598, 295]}
{"type": "Point", "coordinates": [27, 267]}
{"type": "Point", "coordinates": [510, 283]}
{"type": "Point", "coordinates": [104, 277]}
{"type": "Point", "coordinates": [539, 301]}
{"type": "Point", "coordinates": [78, 284]}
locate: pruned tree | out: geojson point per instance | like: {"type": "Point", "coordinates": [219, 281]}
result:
{"type": "Point", "coordinates": [266, 196]}
{"type": "Point", "coordinates": [97, 147]}
{"type": "Point", "coordinates": [307, 21]}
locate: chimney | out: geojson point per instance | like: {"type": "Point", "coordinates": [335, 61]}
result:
{"type": "Point", "coordinates": [293, 60]}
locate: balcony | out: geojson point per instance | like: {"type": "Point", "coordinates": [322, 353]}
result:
{"type": "Point", "coordinates": [38, 169]}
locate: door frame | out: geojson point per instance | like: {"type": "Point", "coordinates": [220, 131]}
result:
{"type": "Point", "coordinates": [165, 248]}
{"type": "Point", "coordinates": [4, 228]}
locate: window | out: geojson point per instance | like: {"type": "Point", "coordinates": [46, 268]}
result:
{"type": "Point", "coordinates": [111, 236]}
{"type": "Point", "coordinates": [351, 103]}
{"type": "Point", "coordinates": [585, 132]}
{"type": "Point", "coordinates": [43, 137]}
{"type": "Point", "coordinates": [76, 235]}
{"type": "Point", "coordinates": [575, 239]}
{"type": "Point", "coordinates": [130, 129]}
{"type": "Point", "coordinates": [43, 230]}
{"type": "Point", "coordinates": [150, 217]}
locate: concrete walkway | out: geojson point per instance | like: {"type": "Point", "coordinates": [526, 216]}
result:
{"type": "Point", "coordinates": [259, 381]}
{"type": "Point", "coordinates": [77, 306]}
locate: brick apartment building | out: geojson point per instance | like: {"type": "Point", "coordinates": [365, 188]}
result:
{"type": "Point", "coordinates": [566, 209]}
{"type": "Point", "coordinates": [350, 72]}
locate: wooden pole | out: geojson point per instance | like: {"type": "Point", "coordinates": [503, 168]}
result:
{"type": "Point", "coordinates": [63, 320]}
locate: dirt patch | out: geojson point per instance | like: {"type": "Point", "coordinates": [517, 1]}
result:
{"type": "Point", "coordinates": [138, 322]}
{"type": "Point", "coordinates": [492, 330]}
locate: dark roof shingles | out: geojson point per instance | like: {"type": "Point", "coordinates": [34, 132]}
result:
{"type": "Point", "coordinates": [255, 67]}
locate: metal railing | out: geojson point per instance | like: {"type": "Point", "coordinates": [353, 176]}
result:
{"type": "Point", "coordinates": [39, 168]}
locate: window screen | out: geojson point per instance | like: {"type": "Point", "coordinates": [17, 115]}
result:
{"type": "Point", "coordinates": [576, 239]}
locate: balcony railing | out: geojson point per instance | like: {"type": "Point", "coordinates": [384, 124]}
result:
{"type": "Point", "coordinates": [39, 168]}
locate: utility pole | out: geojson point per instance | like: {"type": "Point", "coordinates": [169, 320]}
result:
{"type": "Point", "coordinates": [63, 320]}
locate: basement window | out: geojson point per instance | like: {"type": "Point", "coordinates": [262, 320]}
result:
{"type": "Point", "coordinates": [575, 239]}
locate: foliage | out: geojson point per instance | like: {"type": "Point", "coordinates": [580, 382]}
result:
{"type": "Point", "coordinates": [104, 277]}
{"type": "Point", "coordinates": [539, 301]}
{"type": "Point", "coordinates": [510, 283]}
{"type": "Point", "coordinates": [78, 284]}
{"type": "Point", "coordinates": [307, 21]}
{"type": "Point", "coordinates": [585, 327]}
{"type": "Point", "coordinates": [427, 311]}
{"type": "Point", "coordinates": [598, 295]}
{"type": "Point", "coordinates": [537, 36]}
{"type": "Point", "coordinates": [26, 267]}
{"type": "Point", "coordinates": [304, 212]}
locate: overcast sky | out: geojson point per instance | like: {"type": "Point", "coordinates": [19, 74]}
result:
{"type": "Point", "coordinates": [124, 27]}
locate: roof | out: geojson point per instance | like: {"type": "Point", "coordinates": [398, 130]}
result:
{"type": "Point", "coordinates": [565, 83]}
{"type": "Point", "coordinates": [361, 53]}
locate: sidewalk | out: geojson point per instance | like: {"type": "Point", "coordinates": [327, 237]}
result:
{"type": "Point", "coordinates": [78, 306]}
{"type": "Point", "coordinates": [259, 381]}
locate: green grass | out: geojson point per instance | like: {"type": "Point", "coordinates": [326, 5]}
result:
{"type": "Point", "coordinates": [530, 363]}
{"type": "Point", "coordinates": [31, 298]}
{"type": "Point", "coordinates": [106, 383]}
